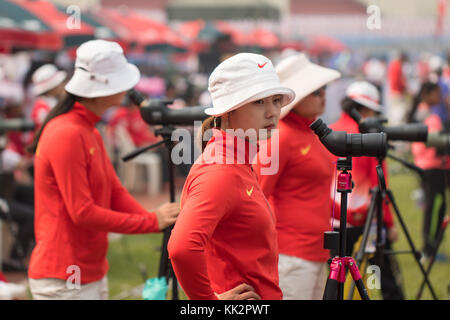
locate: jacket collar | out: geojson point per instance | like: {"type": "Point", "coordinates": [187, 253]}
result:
{"type": "Point", "coordinates": [87, 115]}
{"type": "Point", "coordinates": [226, 148]}
{"type": "Point", "coordinates": [293, 118]}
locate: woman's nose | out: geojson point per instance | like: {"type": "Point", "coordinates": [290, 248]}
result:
{"type": "Point", "coordinates": [272, 110]}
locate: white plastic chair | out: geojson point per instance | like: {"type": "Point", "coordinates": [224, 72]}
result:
{"type": "Point", "coordinates": [128, 172]}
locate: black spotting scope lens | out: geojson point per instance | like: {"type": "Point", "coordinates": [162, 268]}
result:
{"type": "Point", "coordinates": [343, 144]}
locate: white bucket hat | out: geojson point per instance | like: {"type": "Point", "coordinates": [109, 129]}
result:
{"type": "Point", "coordinates": [303, 76]}
{"type": "Point", "coordinates": [365, 94]}
{"type": "Point", "coordinates": [243, 78]}
{"type": "Point", "coordinates": [101, 69]}
{"type": "Point", "coordinates": [46, 78]}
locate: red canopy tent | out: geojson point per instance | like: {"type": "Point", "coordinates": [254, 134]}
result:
{"type": "Point", "coordinates": [21, 29]}
{"type": "Point", "coordinates": [237, 35]}
{"type": "Point", "coordinates": [292, 44]}
{"type": "Point", "coordinates": [58, 22]}
{"type": "Point", "coordinates": [23, 39]}
{"type": "Point", "coordinates": [201, 34]}
{"type": "Point", "coordinates": [262, 38]}
{"type": "Point", "coordinates": [323, 43]}
{"type": "Point", "coordinates": [141, 33]}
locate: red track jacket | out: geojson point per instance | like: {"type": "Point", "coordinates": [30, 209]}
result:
{"type": "Point", "coordinates": [299, 192]}
{"type": "Point", "coordinates": [364, 176]}
{"type": "Point", "coordinates": [78, 200]}
{"type": "Point", "coordinates": [225, 234]}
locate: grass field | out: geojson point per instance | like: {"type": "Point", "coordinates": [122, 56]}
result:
{"type": "Point", "coordinates": [129, 255]}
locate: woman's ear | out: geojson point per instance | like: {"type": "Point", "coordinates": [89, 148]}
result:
{"type": "Point", "coordinates": [225, 120]}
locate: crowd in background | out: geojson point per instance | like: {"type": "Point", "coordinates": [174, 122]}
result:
{"type": "Point", "coordinates": [31, 84]}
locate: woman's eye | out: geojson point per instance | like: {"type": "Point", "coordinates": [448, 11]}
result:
{"type": "Point", "coordinates": [277, 100]}
{"type": "Point", "coordinates": [259, 102]}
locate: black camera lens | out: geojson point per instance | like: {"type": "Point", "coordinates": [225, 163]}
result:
{"type": "Point", "coordinates": [343, 144]}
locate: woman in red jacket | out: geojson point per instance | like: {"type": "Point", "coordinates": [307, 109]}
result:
{"type": "Point", "coordinates": [364, 97]}
{"type": "Point", "coordinates": [79, 198]}
{"type": "Point", "coordinates": [435, 163]}
{"type": "Point", "coordinates": [298, 192]}
{"type": "Point", "coordinates": [224, 244]}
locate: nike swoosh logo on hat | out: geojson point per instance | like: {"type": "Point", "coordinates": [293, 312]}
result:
{"type": "Point", "coordinates": [249, 192]}
{"type": "Point", "coordinates": [305, 150]}
{"type": "Point", "coordinates": [262, 65]}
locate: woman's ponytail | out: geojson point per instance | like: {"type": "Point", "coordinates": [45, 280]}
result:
{"type": "Point", "coordinates": [208, 124]}
{"type": "Point", "coordinates": [64, 106]}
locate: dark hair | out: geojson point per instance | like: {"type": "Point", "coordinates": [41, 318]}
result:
{"type": "Point", "coordinates": [207, 124]}
{"type": "Point", "coordinates": [348, 105]}
{"type": "Point", "coordinates": [426, 88]}
{"type": "Point", "coordinates": [64, 106]}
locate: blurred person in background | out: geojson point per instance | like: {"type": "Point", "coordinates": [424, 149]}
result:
{"type": "Point", "coordinates": [442, 108]}
{"type": "Point", "coordinates": [364, 97]}
{"type": "Point", "coordinates": [48, 87]}
{"type": "Point", "coordinates": [224, 244]}
{"type": "Point", "coordinates": [128, 115]}
{"type": "Point", "coordinates": [79, 198]}
{"type": "Point", "coordinates": [17, 196]}
{"type": "Point", "coordinates": [397, 107]}
{"type": "Point", "coordinates": [299, 191]}
{"type": "Point", "coordinates": [436, 177]}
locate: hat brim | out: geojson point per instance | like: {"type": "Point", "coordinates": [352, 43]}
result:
{"type": "Point", "coordinates": [52, 83]}
{"type": "Point", "coordinates": [368, 104]}
{"type": "Point", "coordinates": [306, 81]}
{"type": "Point", "coordinates": [287, 93]}
{"type": "Point", "coordinates": [82, 85]}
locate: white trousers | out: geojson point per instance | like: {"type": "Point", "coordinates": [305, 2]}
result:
{"type": "Point", "coordinates": [57, 289]}
{"type": "Point", "coordinates": [301, 279]}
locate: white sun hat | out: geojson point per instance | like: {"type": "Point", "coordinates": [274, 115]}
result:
{"type": "Point", "coordinates": [303, 76]}
{"type": "Point", "coordinates": [365, 94]}
{"type": "Point", "coordinates": [46, 78]}
{"type": "Point", "coordinates": [101, 69]}
{"type": "Point", "coordinates": [243, 78]}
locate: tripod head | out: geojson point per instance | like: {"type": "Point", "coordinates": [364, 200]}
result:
{"type": "Point", "coordinates": [336, 239]}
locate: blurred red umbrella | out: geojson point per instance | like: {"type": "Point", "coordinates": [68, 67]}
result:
{"type": "Point", "coordinates": [72, 36]}
{"type": "Point", "coordinates": [237, 36]}
{"type": "Point", "coordinates": [292, 44]}
{"type": "Point", "coordinates": [141, 32]}
{"type": "Point", "coordinates": [21, 29]}
{"type": "Point", "coordinates": [262, 38]}
{"type": "Point", "coordinates": [325, 43]}
{"type": "Point", "coordinates": [201, 34]}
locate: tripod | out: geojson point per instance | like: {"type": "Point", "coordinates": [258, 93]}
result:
{"type": "Point", "coordinates": [334, 288]}
{"type": "Point", "coordinates": [165, 268]}
{"type": "Point", "coordinates": [6, 195]}
{"type": "Point", "coordinates": [375, 210]}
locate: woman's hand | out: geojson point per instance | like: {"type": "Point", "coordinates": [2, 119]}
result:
{"type": "Point", "coordinates": [167, 214]}
{"type": "Point", "coordinates": [241, 292]}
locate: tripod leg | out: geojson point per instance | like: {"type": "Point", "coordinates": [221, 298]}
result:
{"type": "Point", "coordinates": [433, 257]}
{"type": "Point", "coordinates": [172, 199]}
{"type": "Point", "coordinates": [411, 244]}
{"type": "Point", "coordinates": [357, 278]}
{"type": "Point", "coordinates": [362, 247]}
{"type": "Point", "coordinates": [369, 219]}
{"type": "Point", "coordinates": [331, 287]}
